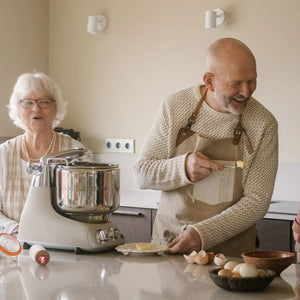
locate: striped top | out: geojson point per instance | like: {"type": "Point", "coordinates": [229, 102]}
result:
{"type": "Point", "coordinates": [14, 180]}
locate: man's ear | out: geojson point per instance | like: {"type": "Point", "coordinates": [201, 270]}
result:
{"type": "Point", "coordinates": [208, 79]}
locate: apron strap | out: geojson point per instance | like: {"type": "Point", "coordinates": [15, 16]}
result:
{"type": "Point", "coordinates": [185, 132]}
{"type": "Point", "coordinates": [193, 117]}
{"type": "Point", "coordinates": [237, 133]}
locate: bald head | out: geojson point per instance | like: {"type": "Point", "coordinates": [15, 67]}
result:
{"type": "Point", "coordinates": [225, 52]}
{"type": "Point", "coordinates": [230, 75]}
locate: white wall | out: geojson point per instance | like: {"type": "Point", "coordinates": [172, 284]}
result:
{"type": "Point", "coordinates": [24, 34]}
{"type": "Point", "coordinates": [115, 80]}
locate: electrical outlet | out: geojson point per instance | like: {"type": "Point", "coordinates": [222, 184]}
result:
{"type": "Point", "coordinates": [119, 145]}
{"type": "Point", "coordinates": [128, 145]}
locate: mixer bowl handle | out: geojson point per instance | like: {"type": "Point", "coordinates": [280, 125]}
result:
{"type": "Point", "coordinates": [45, 169]}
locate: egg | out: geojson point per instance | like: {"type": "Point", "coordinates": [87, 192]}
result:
{"type": "Point", "coordinates": [261, 273]}
{"type": "Point", "coordinates": [230, 265]}
{"type": "Point", "coordinates": [225, 272]}
{"type": "Point", "coordinates": [236, 275]}
{"type": "Point", "coordinates": [248, 270]}
{"type": "Point", "coordinates": [237, 268]}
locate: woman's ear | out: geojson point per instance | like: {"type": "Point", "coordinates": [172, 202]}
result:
{"type": "Point", "coordinates": [208, 79]}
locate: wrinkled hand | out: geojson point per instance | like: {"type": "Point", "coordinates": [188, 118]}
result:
{"type": "Point", "coordinates": [198, 166]}
{"type": "Point", "coordinates": [186, 242]}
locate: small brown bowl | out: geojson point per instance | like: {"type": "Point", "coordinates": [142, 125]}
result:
{"type": "Point", "coordinates": [242, 284]}
{"type": "Point", "coordinates": [272, 260]}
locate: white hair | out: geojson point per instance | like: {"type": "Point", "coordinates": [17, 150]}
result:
{"type": "Point", "coordinates": [32, 82]}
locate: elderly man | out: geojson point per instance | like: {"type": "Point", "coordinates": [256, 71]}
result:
{"type": "Point", "coordinates": [207, 201]}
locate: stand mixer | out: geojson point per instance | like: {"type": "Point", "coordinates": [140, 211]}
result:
{"type": "Point", "coordinates": [69, 204]}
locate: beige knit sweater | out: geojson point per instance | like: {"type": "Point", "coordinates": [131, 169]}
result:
{"type": "Point", "coordinates": [158, 169]}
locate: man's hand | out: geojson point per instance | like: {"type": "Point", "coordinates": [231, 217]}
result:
{"type": "Point", "coordinates": [186, 242]}
{"type": "Point", "coordinates": [198, 166]}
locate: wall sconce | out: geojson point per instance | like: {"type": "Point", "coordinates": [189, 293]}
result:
{"type": "Point", "coordinates": [214, 17]}
{"type": "Point", "coordinates": [96, 23]}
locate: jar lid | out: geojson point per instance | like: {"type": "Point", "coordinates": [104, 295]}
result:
{"type": "Point", "coordinates": [9, 245]}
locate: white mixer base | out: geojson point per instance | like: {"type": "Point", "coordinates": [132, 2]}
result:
{"type": "Point", "coordinates": [41, 224]}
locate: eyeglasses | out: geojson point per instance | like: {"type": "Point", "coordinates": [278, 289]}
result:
{"type": "Point", "coordinates": [29, 103]}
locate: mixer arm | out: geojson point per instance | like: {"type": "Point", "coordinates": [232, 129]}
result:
{"type": "Point", "coordinates": [67, 155]}
{"type": "Point", "coordinates": [48, 163]}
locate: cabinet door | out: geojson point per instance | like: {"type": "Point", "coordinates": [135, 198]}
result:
{"type": "Point", "coordinates": [153, 215]}
{"type": "Point", "coordinates": [275, 235]}
{"type": "Point", "coordinates": [134, 223]}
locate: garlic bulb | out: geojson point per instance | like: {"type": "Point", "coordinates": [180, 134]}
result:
{"type": "Point", "coordinates": [191, 257]}
{"type": "Point", "coordinates": [220, 259]}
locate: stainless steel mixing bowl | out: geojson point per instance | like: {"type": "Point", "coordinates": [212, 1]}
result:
{"type": "Point", "coordinates": [87, 192]}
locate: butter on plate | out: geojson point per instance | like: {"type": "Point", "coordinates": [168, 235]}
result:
{"type": "Point", "coordinates": [142, 246]}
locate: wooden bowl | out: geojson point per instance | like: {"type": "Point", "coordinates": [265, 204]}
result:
{"type": "Point", "coordinates": [242, 284]}
{"type": "Point", "coordinates": [272, 260]}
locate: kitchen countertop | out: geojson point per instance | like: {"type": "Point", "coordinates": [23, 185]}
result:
{"type": "Point", "coordinates": [111, 275]}
{"type": "Point", "coordinates": [283, 210]}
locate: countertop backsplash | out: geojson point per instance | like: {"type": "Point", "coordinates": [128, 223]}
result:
{"type": "Point", "coordinates": [130, 194]}
{"type": "Point", "coordinates": [287, 184]}
{"type": "Point", "coordinates": [125, 163]}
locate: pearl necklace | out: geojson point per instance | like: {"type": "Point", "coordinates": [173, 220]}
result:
{"type": "Point", "coordinates": [49, 150]}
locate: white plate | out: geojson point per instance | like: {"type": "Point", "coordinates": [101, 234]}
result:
{"type": "Point", "coordinates": [141, 248]}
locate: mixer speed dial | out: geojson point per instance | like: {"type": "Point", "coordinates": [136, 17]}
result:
{"type": "Point", "coordinates": [113, 233]}
{"type": "Point", "coordinates": [101, 236]}
{"type": "Point", "coordinates": [108, 234]}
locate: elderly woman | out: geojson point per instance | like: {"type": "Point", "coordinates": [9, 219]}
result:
{"type": "Point", "coordinates": [37, 106]}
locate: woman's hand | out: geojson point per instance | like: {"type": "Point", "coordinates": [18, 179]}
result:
{"type": "Point", "coordinates": [198, 166]}
{"type": "Point", "coordinates": [186, 242]}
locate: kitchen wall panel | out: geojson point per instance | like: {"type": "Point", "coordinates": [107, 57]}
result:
{"type": "Point", "coordinates": [115, 80]}
{"type": "Point", "coordinates": [24, 35]}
